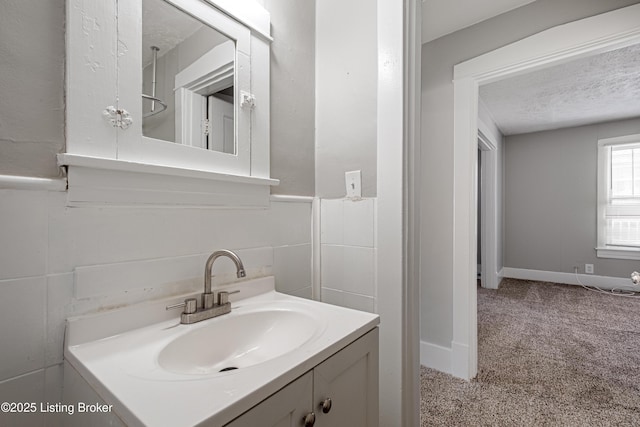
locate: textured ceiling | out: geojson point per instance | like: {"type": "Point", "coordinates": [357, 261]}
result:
{"type": "Point", "coordinates": [164, 26]}
{"type": "Point", "coordinates": [595, 89]}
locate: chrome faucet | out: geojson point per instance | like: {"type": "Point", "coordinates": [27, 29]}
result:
{"type": "Point", "coordinates": [207, 296]}
{"type": "Point", "coordinates": [208, 307]}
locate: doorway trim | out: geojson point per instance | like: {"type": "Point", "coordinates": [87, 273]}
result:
{"type": "Point", "coordinates": [488, 208]}
{"type": "Point", "coordinates": [582, 38]}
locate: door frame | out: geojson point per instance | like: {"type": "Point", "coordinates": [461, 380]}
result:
{"type": "Point", "coordinates": [582, 38]}
{"type": "Point", "coordinates": [397, 212]}
{"type": "Point", "coordinates": [488, 208]}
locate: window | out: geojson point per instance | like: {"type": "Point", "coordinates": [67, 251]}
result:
{"type": "Point", "coordinates": [619, 197]}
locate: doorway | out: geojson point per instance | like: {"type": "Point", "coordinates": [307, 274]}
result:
{"type": "Point", "coordinates": [601, 33]}
{"type": "Point", "coordinates": [488, 207]}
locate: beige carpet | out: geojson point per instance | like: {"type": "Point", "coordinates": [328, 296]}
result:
{"type": "Point", "coordinates": [549, 355]}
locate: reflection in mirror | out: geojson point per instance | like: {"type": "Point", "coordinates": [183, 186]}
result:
{"type": "Point", "coordinates": [188, 80]}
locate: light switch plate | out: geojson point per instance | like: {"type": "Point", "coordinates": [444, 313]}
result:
{"type": "Point", "coordinates": [353, 183]}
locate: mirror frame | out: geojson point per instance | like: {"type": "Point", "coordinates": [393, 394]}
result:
{"type": "Point", "coordinates": [102, 50]}
{"type": "Point", "coordinates": [155, 151]}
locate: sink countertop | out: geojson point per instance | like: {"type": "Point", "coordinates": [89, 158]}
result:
{"type": "Point", "coordinates": [122, 366]}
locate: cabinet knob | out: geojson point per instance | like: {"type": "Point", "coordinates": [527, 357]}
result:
{"type": "Point", "coordinates": [309, 420]}
{"type": "Point", "coordinates": [325, 405]}
{"type": "Point", "coordinates": [118, 117]}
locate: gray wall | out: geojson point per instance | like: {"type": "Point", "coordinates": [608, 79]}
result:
{"type": "Point", "coordinates": [438, 59]}
{"type": "Point", "coordinates": [293, 95]}
{"type": "Point", "coordinates": [346, 88]}
{"type": "Point", "coordinates": [550, 199]}
{"type": "Point", "coordinates": [31, 86]}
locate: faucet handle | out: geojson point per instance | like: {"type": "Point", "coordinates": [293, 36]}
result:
{"type": "Point", "coordinates": [223, 296]}
{"type": "Point", "coordinates": [190, 306]}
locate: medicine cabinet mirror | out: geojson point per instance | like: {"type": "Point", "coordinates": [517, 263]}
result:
{"type": "Point", "coordinates": [187, 80]}
{"type": "Point", "coordinates": [159, 88]}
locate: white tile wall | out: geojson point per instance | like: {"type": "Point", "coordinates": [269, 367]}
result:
{"type": "Point", "coordinates": [358, 222]}
{"type": "Point", "coordinates": [332, 266]}
{"type": "Point", "coordinates": [292, 267]}
{"type": "Point", "coordinates": [347, 222]}
{"type": "Point", "coordinates": [37, 387]}
{"type": "Point", "coordinates": [349, 300]}
{"type": "Point", "coordinates": [171, 274]}
{"type": "Point", "coordinates": [25, 388]}
{"type": "Point", "coordinates": [53, 378]}
{"type": "Point", "coordinates": [358, 270]}
{"type": "Point", "coordinates": [91, 236]}
{"type": "Point", "coordinates": [348, 253]}
{"type": "Point", "coordinates": [23, 233]}
{"type": "Point", "coordinates": [235, 229]}
{"type": "Point", "coordinates": [290, 223]}
{"type": "Point", "coordinates": [59, 307]}
{"type": "Point", "coordinates": [23, 311]}
{"type": "Point", "coordinates": [304, 293]}
{"type": "Point", "coordinates": [331, 221]}
{"type": "Point", "coordinates": [58, 262]}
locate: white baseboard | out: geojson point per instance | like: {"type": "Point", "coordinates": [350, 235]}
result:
{"type": "Point", "coordinates": [492, 282]}
{"type": "Point", "coordinates": [603, 282]}
{"type": "Point", "coordinates": [460, 364]}
{"type": "Point", "coordinates": [435, 357]}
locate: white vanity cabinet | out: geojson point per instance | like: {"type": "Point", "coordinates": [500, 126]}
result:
{"type": "Point", "coordinates": [346, 384]}
{"type": "Point", "coordinates": [312, 352]}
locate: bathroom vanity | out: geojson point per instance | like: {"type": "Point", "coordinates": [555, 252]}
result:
{"type": "Point", "coordinates": [341, 391]}
{"type": "Point", "coordinates": [274, 360]}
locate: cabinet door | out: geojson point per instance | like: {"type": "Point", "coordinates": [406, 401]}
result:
{"type": "Point", "coordinates": [350, 380]}
{"type": "Point", "coordinates": [286, 408]}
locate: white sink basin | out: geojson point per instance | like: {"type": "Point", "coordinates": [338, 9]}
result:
{"type": "Point", "coordinates": [238, 342]}
{"type": "Point", "coordinates": [156, 371]}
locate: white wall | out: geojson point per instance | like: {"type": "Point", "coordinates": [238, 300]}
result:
{"type": "Point", "coordinates": [361, 114]}
{"type": "Point", "coordinates": [346, 88]}
{"type": "Point", "coordinates": [346, 139]}
{"type": "Point", "coordinates": [293, 59]}
{"type": "Point", "coordinates": [59, 262]}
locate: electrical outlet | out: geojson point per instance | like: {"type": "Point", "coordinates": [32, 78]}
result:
{"type": "Point", "coordinates": [588, 268]}
{"type": "Point", "coordinates": [353, 184]}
